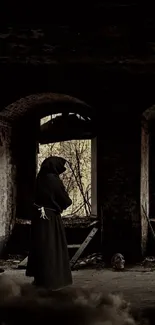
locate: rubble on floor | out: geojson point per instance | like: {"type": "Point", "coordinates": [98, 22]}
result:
{"type": "Point", "coordinates": [10, 263]}
{"type": "Point", "coordinates": [94, 260]}
{"type": "Point", "coordinates": [149, 262]}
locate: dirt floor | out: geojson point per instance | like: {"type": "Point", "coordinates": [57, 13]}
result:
{"type": "Point", "coordinates": [136, 284]}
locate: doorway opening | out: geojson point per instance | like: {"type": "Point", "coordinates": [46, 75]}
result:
{"type": "Point", "coordinates": [80, 177]}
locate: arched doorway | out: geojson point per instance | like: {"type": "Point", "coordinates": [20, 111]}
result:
{"type": "Point", "coordinates": [22, 118]}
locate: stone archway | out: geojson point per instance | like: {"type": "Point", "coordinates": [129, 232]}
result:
{"type": "Point", "coordinates": [18, 152]}
{"type": "Point", "coordinates": [41, 105]}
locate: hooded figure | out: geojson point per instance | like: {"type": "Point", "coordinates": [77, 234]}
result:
{"type": "Point", "coordinates": [48, 260]}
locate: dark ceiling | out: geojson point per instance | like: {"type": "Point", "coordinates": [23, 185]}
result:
{"type": "Point", "coordinates": [100, 52]}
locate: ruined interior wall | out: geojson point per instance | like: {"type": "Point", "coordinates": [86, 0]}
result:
{"type": "Point", "coordinates": [25, 159]}
{"type": "Point", "coordinates": [151, 153]}
{"type": "Point", "coordinates": [152, 170]}
{"type": "Point", "coordinates": [119, 185]}
{"type": "Point", "coordinates": [144, 184]}
{"type": "Point", "coordinates": [7, 188]}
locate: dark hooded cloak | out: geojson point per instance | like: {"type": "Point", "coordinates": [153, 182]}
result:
{"type": "Point", "coordinates": [48, 260]}
{"type": "Point", "coordinates": [50, 191]}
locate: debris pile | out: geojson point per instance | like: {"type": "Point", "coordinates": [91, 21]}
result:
{"type": "Point", "coordinates": [149, 262]}
{"type": "Point", "coordinates": [94, 260]}
{"type": "Point", "coordinates": [10, 263]}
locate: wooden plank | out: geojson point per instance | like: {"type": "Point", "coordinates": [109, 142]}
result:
{"type": "Point", "coordinates": [83, 246]}
{"type": "Point", "coordinates": [23, 263]}
{"type": "Point", "coordinates": [74, 246]}
{"type": "Point", "coordinates": [92, 224]}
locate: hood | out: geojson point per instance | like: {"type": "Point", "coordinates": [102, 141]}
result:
{"type": "Point", "coordinates": [53, 165]}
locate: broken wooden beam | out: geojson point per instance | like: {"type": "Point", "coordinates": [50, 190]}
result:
{"type": "Point", "coordinates": [83, 246]}
{"type": "Point", "coordinates": [74, 246]}
{"type": "Point", "coordinates": [23, 263]}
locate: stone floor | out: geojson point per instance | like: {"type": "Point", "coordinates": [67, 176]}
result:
{"type": "Point", "coordinates": [136, 284]}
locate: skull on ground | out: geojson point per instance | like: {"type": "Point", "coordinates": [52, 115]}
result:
{"type": "Point", "coordinates": [118, 261]}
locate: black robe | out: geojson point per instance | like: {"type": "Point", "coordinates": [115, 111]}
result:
{"type": "Point", "coordinates": [48, 260]}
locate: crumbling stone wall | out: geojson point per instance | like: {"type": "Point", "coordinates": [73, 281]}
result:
{"type": "Point", "coordinates": [24, 155]}
{"type": "Point", "coordinates": [7, 188]}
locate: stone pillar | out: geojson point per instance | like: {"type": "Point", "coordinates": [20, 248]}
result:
{"type": "Point", "coordinates": [7, 209]}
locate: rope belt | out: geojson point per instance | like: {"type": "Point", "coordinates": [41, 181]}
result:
{"type": "Point", "coordinates": [42, 211]}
